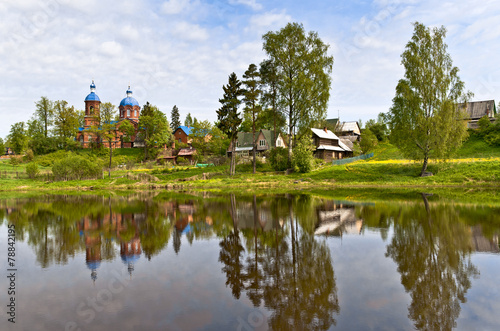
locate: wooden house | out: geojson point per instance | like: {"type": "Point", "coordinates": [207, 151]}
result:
{"type": "Point", "coordinates": [265, 141]}
{"type": "Point", "coordinates": [328, 145]}
{"type": "Point", "coordinates": [181, 134]}
{"type": "Point", "coordinates": [475, 110]}
{"type": "Point", "coordinates": [349, 129]}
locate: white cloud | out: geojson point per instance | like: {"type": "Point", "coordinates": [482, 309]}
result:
{"type": "Point", "coordinates": [269, 21]}
{"type": "Point", "coordinates": [111, 48]}
{"type": "Point", "coordinates": [171, 7]}
{"type": "Point", "coordinates": [190, 32]}
{"type": "Point", "coordinates": [250, 3]}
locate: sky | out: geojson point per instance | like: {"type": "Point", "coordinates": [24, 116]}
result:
{"type": "Point", "coordinates": [181, 52]}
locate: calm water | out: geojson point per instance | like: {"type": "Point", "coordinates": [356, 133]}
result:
{"type": "Point", "coordinates": [228, 262]}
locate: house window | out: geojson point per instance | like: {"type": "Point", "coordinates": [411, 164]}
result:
{"type": "Point", "coordinates": [278, 143]}
{"type": "Point", "coordinates": [262, 142]}
{"type": "Point", "coordinates": [180, 140]}
{"type": "Point", "coordinates": [237, 144]}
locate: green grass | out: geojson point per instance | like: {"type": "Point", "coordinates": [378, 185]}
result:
{"type": "Point", "coordinates": [475, 147]}
{"type": "Point", "coordinates": [386, 151]}
{"type": "Point", "coordinates": [362, 173]}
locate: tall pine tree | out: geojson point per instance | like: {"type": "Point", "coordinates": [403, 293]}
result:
{"type": "Point", "coordinates": [251, 97]}
{"type": "Point", "coordinates": [228, 116]}
{"type": "Point", "coordinates": [176, 122]}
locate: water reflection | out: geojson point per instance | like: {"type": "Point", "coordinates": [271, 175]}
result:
{"type": "Point", "coordinates": [272, 251]}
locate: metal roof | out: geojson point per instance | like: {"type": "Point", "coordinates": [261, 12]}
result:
{"type": "Point", "coordinates": [332, 148]}
{"type": "Point", "coordinates": [186, 151]}
{"type": "Point", "coordinates": [187, 130]}
{"type": "Point", "coordinates": [242, 149]}
{"type": "Point", "coordinates": [129, 101]}
{"type": "Point", "coordinates": [344, 146]}
{"type": "Point", "coordinates": [92, 97]}
{"type": "Point", "coordinates": [322, 134]}
{"type": "Point", "coordinates": [478, 109]}
{"type": "Point", "coordinates": [350, 126]}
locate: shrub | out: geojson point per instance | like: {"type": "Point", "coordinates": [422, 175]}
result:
{"type": "Point", "coordinates": [302, 155]}
{"type": "Point", "coordinates": [130, 164]}
{"type": "Point", "coordinates": [278, 158]}
{"type": "Point", "coordinates": [76, 167]}
{"type": "Point", "coordinates": [49, 159]}
{"type": "Point", "coordinates": [32, 170]}
{"type": "Point", "coordinates": [15, 160]}
{"type": "Point", "coordinates": [29, 155]}
{"type": "Point", "coordinates": [181, 160]}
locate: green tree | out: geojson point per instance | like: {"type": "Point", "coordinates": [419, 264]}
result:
{"type": "Point", "coordinates": [303, 155]}
{"type": "Point", "coordinates": [271, 117]}
{"type": "Point", "coordinates": [251, 95]}
{"type": "Point", "coordinates": [200, 136]}
{"type": "Point", "coordinates": [18, 140]}
{"type": "Point", "coordinates": [303, 67]}
{"type": "Point", "coordinates": [44, 113]}
{"type": "Point", "coordinates": [32, 170]}
{"type": "Point", "coordinates": [189, 120]}
{"type": "Point", "coordinates": [155, 130]}
{"type": "Point", "coordinates": [228, 116]}
{"type": "Point", "coordinates": [368, 141]}
{"type": "Point", "coordinates": [424, 119]}
{"type": "Point", "coordinates": [175, 122]}
{"type": "Point", "coordinates": [2, 147]}
{"type": "Point", "coordinates": [278, 157]}
{"type": "Point", "coordinates": [127, 129]}
{"type": "Point", "coordinates": [65, 122]}
{"type": "Point", "coordinates": [105, 128]}
{"type": "Point", "coordinates": [378, 128]}
{"type": "Point", "coordinates": [37, 141]}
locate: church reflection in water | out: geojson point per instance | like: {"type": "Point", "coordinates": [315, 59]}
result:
{"type": "Point", "coordinates": [272, 249]}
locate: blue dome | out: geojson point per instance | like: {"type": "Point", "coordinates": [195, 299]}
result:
{"type": "Point", "coordinates": [130, 258]}
{"type": "Point", "coordinates": [93, 265]}
{"type": "Point", "coordinates": [92, 97]}
{"type": "Point", "coordinates": [129, 101]}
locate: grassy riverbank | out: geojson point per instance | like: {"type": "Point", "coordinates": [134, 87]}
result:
{"type": "Point", "coordinates": [386, 170]}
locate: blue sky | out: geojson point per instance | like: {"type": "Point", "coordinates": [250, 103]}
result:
{"type": "Point", "coordinates": [180, 52]}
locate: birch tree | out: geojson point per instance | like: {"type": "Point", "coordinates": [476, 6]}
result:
{"type": "Point", "coordinates": [425, 121]}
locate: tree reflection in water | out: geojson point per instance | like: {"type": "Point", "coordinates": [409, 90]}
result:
{"type": "Point", "coordinates": [431, 249]}
{"type": "Point", "coordinates": [292, 275]}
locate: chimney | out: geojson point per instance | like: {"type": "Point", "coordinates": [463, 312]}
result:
{"type": "Point", "coordinates": [326, 129]}
{"type": "Point", "coordinates": [173, 144]}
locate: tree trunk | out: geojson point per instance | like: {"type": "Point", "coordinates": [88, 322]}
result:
{"type": "Point", "coordinates": [233, 150]}
{"type": "Point", "coordinates": [254, 148]}
{"type": "Point", "coordinates": [110, 156]}
{"type": "Point", "coordinates": [424, 166]}
{"type": "Point", "coordinates": [290, 135]}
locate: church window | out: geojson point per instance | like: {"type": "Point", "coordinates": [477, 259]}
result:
{"type": "Point", "coordinates": [128, 112]}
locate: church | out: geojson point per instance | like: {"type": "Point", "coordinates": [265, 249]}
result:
{"type": "Point", "coordinates": [129, 110]}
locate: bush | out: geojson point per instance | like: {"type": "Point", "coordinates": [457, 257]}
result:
{"type": "Point", "coordinates": [49, 159]}
{"type": "Point", "coordinates": [302, 155]}
{"type": "Point", "coordinates": [29, 155]}
{"type": "Point", "coordinates": [130, 164]}
{"type": "Point", "coordinates": [32, 170]}
{"type": "Point", "coordinates": [278, 158]}
{"type": "Point", "coordinates": [15, 160]}
{"type": "Point", "coordinates": [76, 167]}
{"type": "Point", "coordinates": [181, 160]}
